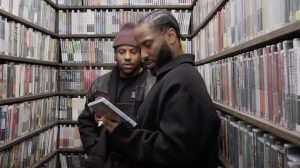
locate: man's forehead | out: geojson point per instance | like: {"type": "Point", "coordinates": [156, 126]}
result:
{"type": "Point", "coordinates": [142, 27]}
{"type": "Point", "coordinates": [145, 31]}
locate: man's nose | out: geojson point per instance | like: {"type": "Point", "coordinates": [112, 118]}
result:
{"type": "Point", "coordinates": [127, 56]}
{"type": "Point", "coordinates": [144, 54]}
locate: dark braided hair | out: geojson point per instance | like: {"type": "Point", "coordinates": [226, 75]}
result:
{"type": "Point", "coordinates": [161, 20]}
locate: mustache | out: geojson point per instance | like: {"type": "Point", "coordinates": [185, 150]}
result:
{"type": "Point", "coordinates": [127, 63]}
{"type": "Point", "coordinates": [146, 59]}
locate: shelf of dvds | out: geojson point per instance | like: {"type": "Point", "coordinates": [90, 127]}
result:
{"type": "Point", "coordinates": [27, 28]}
{"type": "Point", "coordinates": [26, 136]}
{"type": "Point", "coordinates": [53, 5]}
{"type": "Point", "coordinates": [63, 7]}
{"type": "Point", "coordinates": [27, 23]}
{"type": "Point", "coordinates": [179, 7]}
{"type": "Point", "coordinates": [45, 159]}
{"type": "Point", "coordinates": [220, 4]}
{"type": "Point", "coordinates": [104, 65]}
{"type": "Point", "coordinates": [286, 32]}
{"type": "Point", "coordinates": [56, 152]}
{"type": "Point", "coordinates": [75, 36]}
{"type": "Point", "coordinates": [87, 36]}
{"type": "Point", "coordinates": [26, 60]}
{"type": "Point", "coordinates": [281, 132]}
{"type": "Point", "coordinates": [26, 98]}
{"type": "Point", "coordinates": [215, 33]}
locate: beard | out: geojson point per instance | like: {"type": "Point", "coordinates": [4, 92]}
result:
{"type": "Point", "coordinates": [164, 55]}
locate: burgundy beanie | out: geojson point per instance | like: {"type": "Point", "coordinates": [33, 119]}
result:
{"type": "Point", "coordinates": [125, 36]}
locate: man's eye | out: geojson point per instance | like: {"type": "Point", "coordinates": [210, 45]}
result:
{"type": "Point", "coordinates": [147, 45]}
{"type": "Point", "coordinates": [121, 52]}
{"type": "Point", "coordinates": [134, 51]}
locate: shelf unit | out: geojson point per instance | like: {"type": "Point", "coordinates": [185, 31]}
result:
{"type": "Point", "coordinates": [275, 36]}
{"type": "Point", "coordinates": [26, 98]}
{"type": "Point", "coordinates": [104, 65]}
{"type": "Point", "coordinates": [26, 60]}
{"type": "Point", "coordinates": [281, 132]}
{"type": "Point", "coordinates": [126, 7]}
{"type": "Point", "coordinates": [58, 7]}
{"type": "Point", "coordinates": [87, 36]}
{"type": "Point", "coordinates": [57, 151]}
{"type": "Point", "coordinates": [27, 136]}
{"type": "Point", "coordinates": [209, 16]}
{"type": "Point", "coordinates": [4, 58]}
{"type": "Point", "coordinates": [286, 32]}
{"type": "Point", "coordinates": [44, 160]}
{"type": "Point", "coordinates": [64, 36]}
{"type": "Point", "coordinates": [27, 23]}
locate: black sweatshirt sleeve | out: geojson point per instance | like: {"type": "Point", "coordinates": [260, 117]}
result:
{"type": "Point", "coordinates": [185, 127]}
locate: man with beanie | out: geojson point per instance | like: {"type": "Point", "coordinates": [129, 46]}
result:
{"type": "Point", "coordinates": [125, 86]}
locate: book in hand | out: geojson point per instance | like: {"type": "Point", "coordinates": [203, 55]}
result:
{"type": "Point", "coordinates": [103, 107]}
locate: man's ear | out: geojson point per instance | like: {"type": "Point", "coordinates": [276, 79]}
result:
{"type": "Point", "coordinates": [170, 36]}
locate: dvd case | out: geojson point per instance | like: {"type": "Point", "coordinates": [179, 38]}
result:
{"type": "Point", "coordinates": [103, 107]}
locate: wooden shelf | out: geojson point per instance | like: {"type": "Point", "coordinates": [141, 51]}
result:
{"type": "Point", "coordinates": [45, 159]}
{"type": "Point", "coordinates": [224, 162]}
{"type": "Point", "coordinates": [209, 17]}
{"type": "Point", "coordinates": [105, 65]}
{"type": "Point", "coordinates": [87, 36]}
{"type": "Point", "coordinates": [26, 98]}
{"type": "Point", "coordinates": [281, 132]}
{"type": "Point", "coordinates": [67, 122]}
{"type": "Point", "coordinates": [26, 136]}
{"type": "Point", "coordinates": [27, 60]}
{"type": "Point", "coordinates": [57, 151]}
{"type": "Point", "coordinates": [287, 32]}
{"type": "Point", "coordinates": [183, 7]}
{"type": "Point", "coordinates": [71, 150]}
{"type": "Point", "coordinates": [72, 36]}
{"type": "Point", "coordinates": [52, 4]}
{"type": "Point", "coordinates": [27, 23]}
{"type": "Point", "coordinates": [61, 7]}
{"type": "Point", "coordinates": [72, 93]}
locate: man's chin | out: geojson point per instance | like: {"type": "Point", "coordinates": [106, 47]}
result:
{"type": "Point", "coordinates": [152, 69]}
{"type": "Point", "coordinates": [150, 66]}
{"type": "Point", "coordinates": [129, 72]}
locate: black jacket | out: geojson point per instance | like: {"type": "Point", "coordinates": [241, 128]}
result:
{"type": "Point", "coordinates": [95, 140]}
{"type": "Point", "coordinates": [177, 123]}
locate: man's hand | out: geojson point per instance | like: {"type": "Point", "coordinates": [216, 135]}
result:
{"type": "Point", "coordinates": [110, 122]}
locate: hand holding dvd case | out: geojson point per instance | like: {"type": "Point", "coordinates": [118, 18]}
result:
{"type": "Point", "coordinates": [103, 107]}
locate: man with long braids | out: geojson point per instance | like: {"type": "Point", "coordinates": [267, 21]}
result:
{"type": "Point", "coordinates": [177, 122]}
